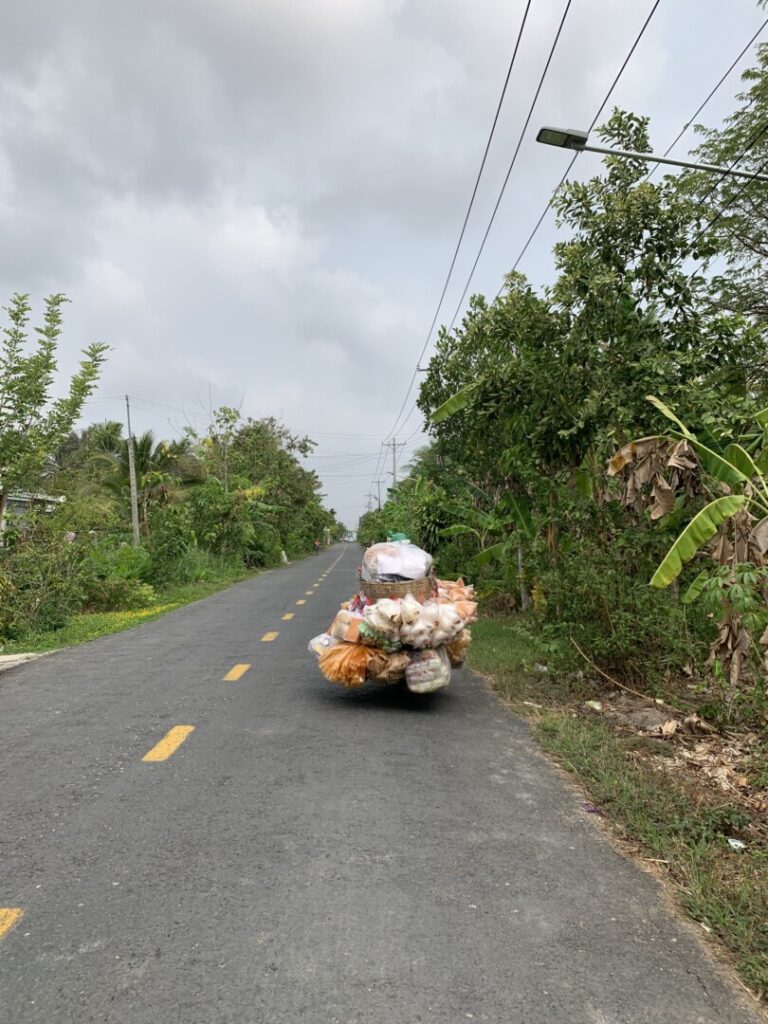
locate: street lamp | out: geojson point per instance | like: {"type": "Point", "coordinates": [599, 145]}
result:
{"type": "Point", "coordinates": [572, 138]}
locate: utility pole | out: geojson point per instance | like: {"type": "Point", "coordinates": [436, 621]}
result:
{"type": "Point", "coordinates": [394, 446]}
{"type": "Point", "coordinates": [378, 485]}
{"type": "Point", "coordinates": [132, 475]}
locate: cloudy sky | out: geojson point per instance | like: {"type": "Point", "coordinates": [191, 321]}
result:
{"type": "Point", "coordinates": [255, 202]}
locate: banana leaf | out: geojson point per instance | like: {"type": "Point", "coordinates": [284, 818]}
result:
{"type": "Point", "coordinates": [454, 404]}
{"type": "Point", "coordinates": [492, 553]}
{"type": "Point", "coordinates": [459, 530]}
{"type": "Point", "coordinates": [695, 588]}
{"type": "Point", "coordinates": [666, 411]}
{"type": "Point", "coordinates": [741, 459]}
{"type": "Point", "coordinates": [734, 466]}
{"type": "Point", "coordinates": [701, 529]}
{"type": "Point", "coordinates": [520, 513]}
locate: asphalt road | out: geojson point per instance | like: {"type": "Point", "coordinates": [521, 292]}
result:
{"type": "Point", "coordinates": [306, 854]}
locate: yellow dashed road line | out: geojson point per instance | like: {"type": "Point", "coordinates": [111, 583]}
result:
{"type": "Point", "coordinates": [309, 593]}
{"type": "Point", "coordinates": [9, 916]}
{"type": "Point", "coordinates": [288, 616]}
{"type": "Point", "coordinates": [169, 743]}
{"type": "Point", "coordinates": [235, 673]}
{"type": "Point", "coordinates": [269, 637]}
{"type": "Point", "coordinates": [302, 601]}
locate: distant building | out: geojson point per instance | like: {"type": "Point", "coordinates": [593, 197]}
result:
{"type": "Point", "coordinates": [19, 504]}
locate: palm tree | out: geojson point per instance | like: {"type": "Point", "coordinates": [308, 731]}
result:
{"type": "Point", "coordinates": [155, 463]}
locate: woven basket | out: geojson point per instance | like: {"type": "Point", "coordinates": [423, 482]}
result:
{"type": "Point", "coordinates": [421, 589]}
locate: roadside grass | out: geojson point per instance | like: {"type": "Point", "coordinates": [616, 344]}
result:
{"type": "Point", "coordinates": [506, 649]}
{"type": "Point", "coordinates": [92, 625]}
{"type": "Point", "coordinates": [667, 820]}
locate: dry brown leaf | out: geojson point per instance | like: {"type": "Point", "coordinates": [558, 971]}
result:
{"type": "Point", "coordinates": [633, 451]}
{"type": "Point", "coordinates": [721, 548]}
{"type": "Point", "coordinates": [742, 528]}
{"type": "Point", "coordinates": [682, 457]}
{"type": "Point", "coordinates": [759, 535]}
{"type": "Point", "coordinates": [663, 497]}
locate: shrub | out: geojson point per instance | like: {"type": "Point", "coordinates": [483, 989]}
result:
{"type": "Point", "coordinates": [115, 575]}
{"type": "Point", "coordinates": [264, 547]}
{"type": "Point", "coordinates": [41, 582]}
{"type": "Point", "coordinates": [598, 593]}
{"type": "Point", "coordinates": [172, 540]}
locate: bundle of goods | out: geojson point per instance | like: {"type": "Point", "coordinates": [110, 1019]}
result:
{"type": "Point", "coordinates": [403, 624]}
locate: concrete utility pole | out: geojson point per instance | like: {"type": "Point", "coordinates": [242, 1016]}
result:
{"type": "Point", "coordinates": [394, 446]}
{"type": "Point", "coordinates": [378, 485]}
{"type": "Point", "coordinates": [132, 475]}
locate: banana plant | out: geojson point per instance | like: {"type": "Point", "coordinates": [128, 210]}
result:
{"type": "Point", "coordinates": [735, 519]}
{"type": "Point", "coordinates": [735, 470]}
{"type": "Point", "coordinates": [509, 519]}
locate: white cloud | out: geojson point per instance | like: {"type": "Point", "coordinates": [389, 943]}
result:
{"type": "Point", "coordinates": [263, 197]}
{"type": "Point", "coordinates": [110, 289]}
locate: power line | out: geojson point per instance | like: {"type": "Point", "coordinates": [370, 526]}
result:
{"type": "Point", "coordinates": [469, 210]}
{"type": "Point", "coordinates": [669, 149]}
{"type": "Point", "coordinates": [514, 159]}
{"type": "Point", "coordinates": [595, 119]}
{"type": "Point", "coordinates": [709, 96]}
{"type": "Point", "coordinates": [496, 207]}
{"type": "Point", "coordinates": [736, 195]}
{"type": "Point", "coordinates": [568, 169]}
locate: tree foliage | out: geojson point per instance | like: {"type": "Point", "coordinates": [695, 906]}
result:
{"type": "Point", "coordinates": [528, 399]}
{"type": "Point", "coordinates": [31, 425]}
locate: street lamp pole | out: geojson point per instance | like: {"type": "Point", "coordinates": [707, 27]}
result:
{"type": "Point", "coordinates": [574, 139]}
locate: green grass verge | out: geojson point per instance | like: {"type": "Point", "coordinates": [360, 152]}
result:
{"type": "Point", "coordinates": [725, 890]}
{"type": "Point", "coordinates": [91, 626]}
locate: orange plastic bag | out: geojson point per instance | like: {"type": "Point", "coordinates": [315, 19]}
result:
{"type": "Point", "coordinates": [457, 648]}
{"type": "Point", "coordinates": [467, 610]}
{"type": "Point", "coordinates": [457, 590]}
{"type": "Point", "coordinates": [346, 664]}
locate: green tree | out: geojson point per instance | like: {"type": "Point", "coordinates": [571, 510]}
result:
{"type": "Point", "coordinates": [32, 426]}
{"type": "Point", "coordinates": [157, 479]}
{"type": "Point", "coordinates": [739, 208]}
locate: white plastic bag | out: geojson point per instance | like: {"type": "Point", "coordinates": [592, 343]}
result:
{"type": "Point", "coordinates": [384, 619]}
{"type": "Point", "coordinates": [417, 634]}
{"type": "Point", "coordinates": [410, 610]}
{"type": "Point", "coordinates": [428, 671]}
{"type": "Point", "coordinates": [320, 643]}
{"type": "Point", "coordinates": [397, 558]}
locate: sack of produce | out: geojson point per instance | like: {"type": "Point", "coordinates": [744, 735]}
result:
{"type": "Point", "coordinates": [410, 610]}
{"type": "Point", "coordinates": [346, 664]}
{"type": "Point", "coordinates": [417, 634]}
{"type": "Point", "coordinates": [346, 627]}
{"type": "Point", "coordinates": [319, 644]}
{"type": "Point", "coordinates": [428, 671]}
{"type": "Point", "coordinates": [400, 560]}
{"type": "Point", "coordinates": [449, 623]}
{"type": "Point", "coordinates": [388, 668]}
{"type": "Point", "coordinates": [384, 617]}
{"type": "Point", "coordinates": [375, 638]}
